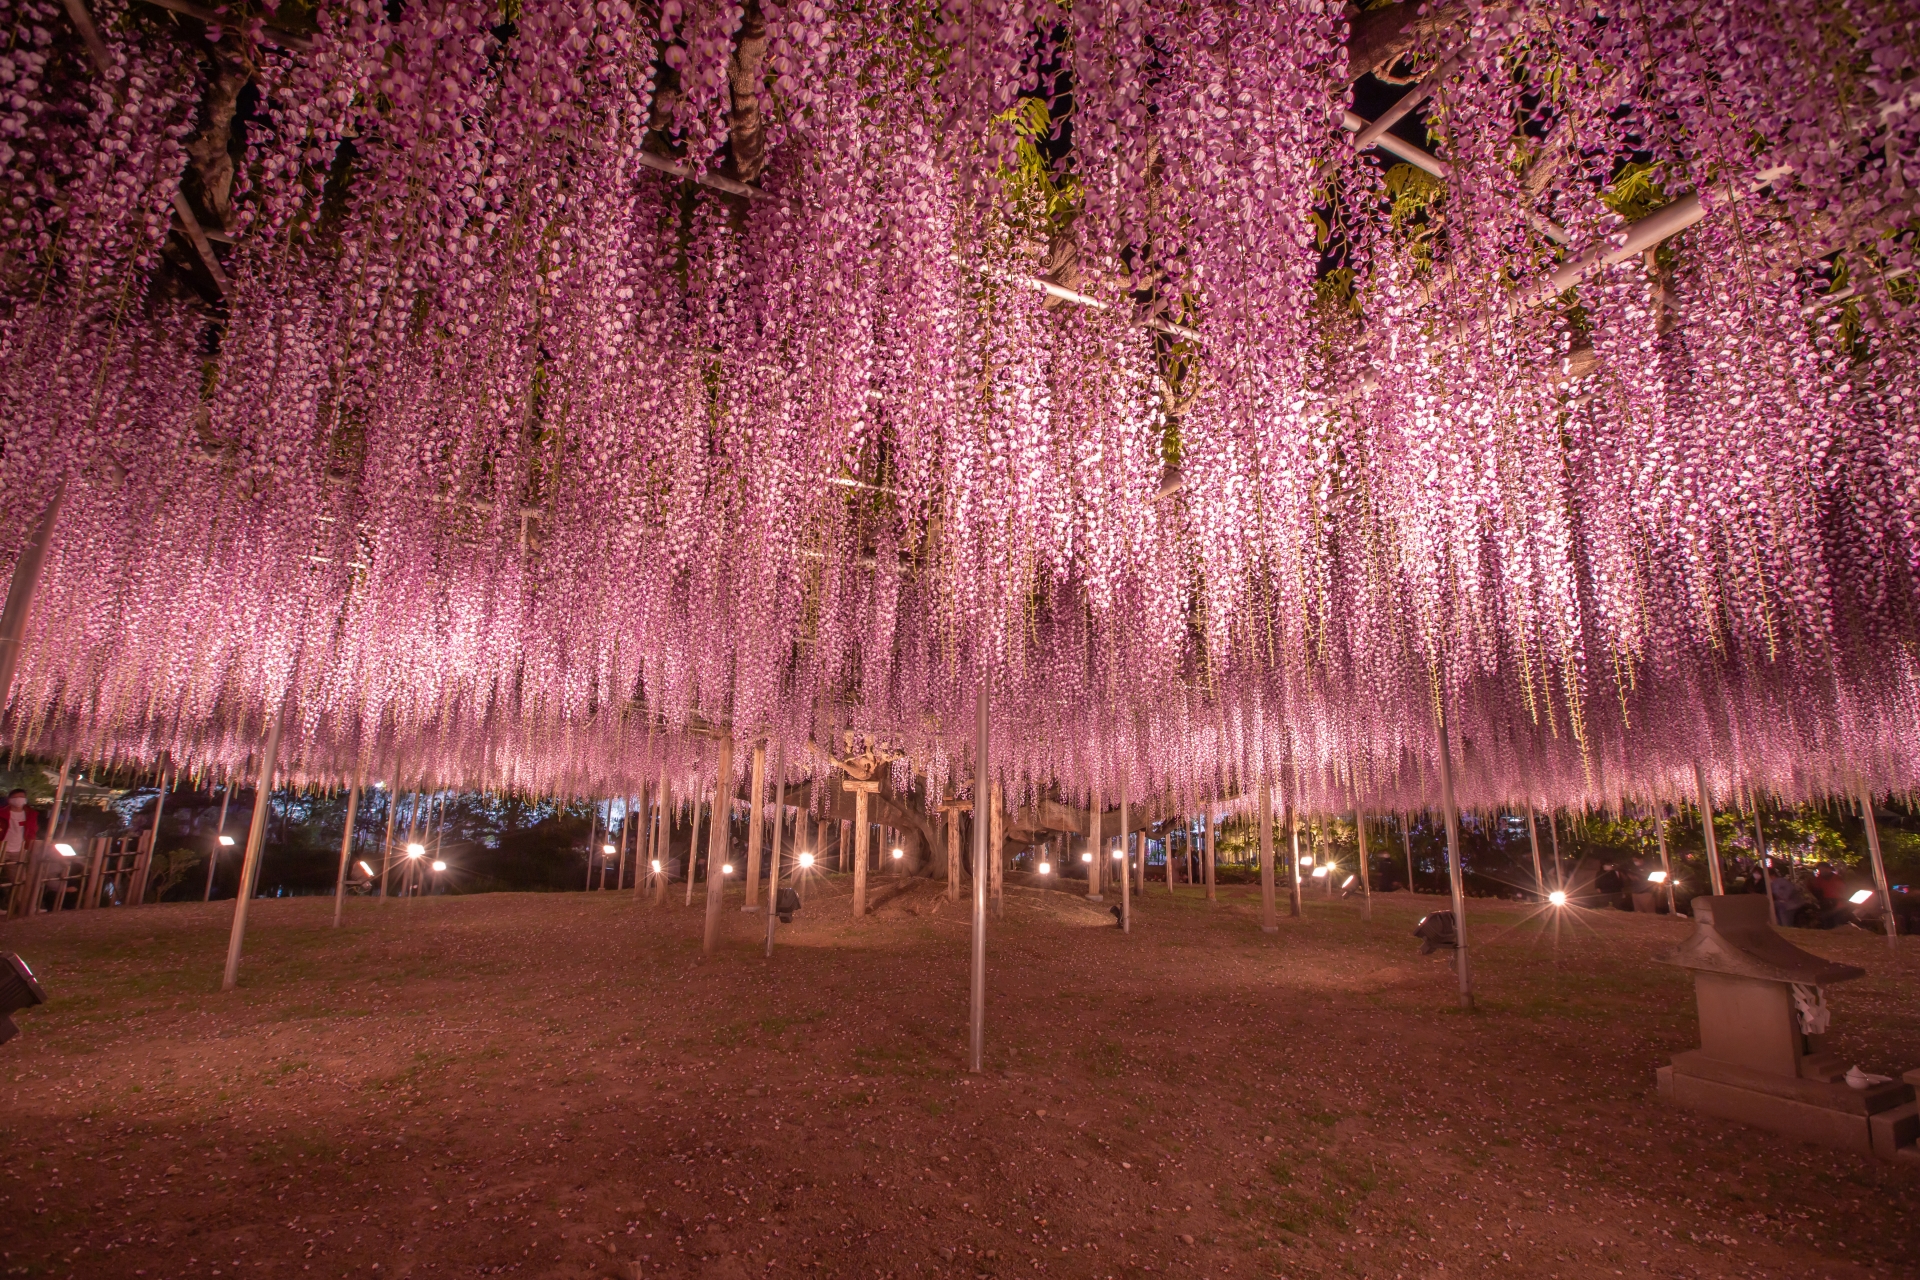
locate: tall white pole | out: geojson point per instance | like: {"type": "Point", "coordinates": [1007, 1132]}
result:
{"type": "Point", "coordinates": [757, 817]}
{"type": "Point", "coordinates": [1533, 842]}
{"type": "Point", "coordinates": [1268, 922]}
{"type": "Point", "coordinates": [1706, 828]}
{"type": "Point", "coordinates": [1879, 865]}
{"type": "Point", "coordinates": [256, 841]}
{"type": "Point", "coordinates": [346, 850]}
{"type": "Point", "coordinates": [1126, 861]}
{"type": "Point", "coordinates": [1452, 817]}
{"type": "Point", "coordinates": [982, 802]}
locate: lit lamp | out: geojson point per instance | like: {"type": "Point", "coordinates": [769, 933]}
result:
{"type": "Point", "coordinates": [1046, 868]}
{"type": "Point", "coordinates": [1320, 873]}
{"type": "Point", "coordinates": [726, 868]}
{"type": "Point", "coordinates": [416, 851]}
{"type": "Point", "coordinates": [1306, 860]}
{"type": "Point", "coordinates": [1558, 897]}
{"type": "Point", "coordinates": [655, 864]}
{"type": "Point", "coordinates": [899, 854]}
{"type": "Point", "coordinates": [1860, 897]}
{"type": "Point", "coordinates": [607, 849]}
{"type": "Point", "coordinates": [1656, 877]}
{"type": "Point", "coordinates": [1086, 857]}
{"type": "Point", "coordinates": [439, 865]}
{"type": "Point", "coordinates": [64, 849]}
{"type": "Point", "coordinates": [366, 870]}
{"type": "Point", "coordinates": [226, 842]}
{"type": "Point", "coordinates": [1117, 855]}
{"type": "Point", "coordinates": [806, 861]}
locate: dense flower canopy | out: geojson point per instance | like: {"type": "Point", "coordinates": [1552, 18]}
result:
{"type": "Point", "coordinates": [583, 377]}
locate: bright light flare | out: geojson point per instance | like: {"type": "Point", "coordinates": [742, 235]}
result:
{"type": "Point", "coordinates": [64, 849]}
{"type": "Point", "coordinates": [806, 861]}
{"type": "Point", "coordinates": [1320, 873]}
{"type": "Point", "coordinates": [655, 864]}
{"type": "Point", "coordinates": [1306, 860]}
{"type": "Point", "coordinates": [1860, 896]}
{"type": "Point", "coordinates": [1046, 868]}
{"type": "Point", "coordinates": [899, 854]}
{"type": "Point", "coordinates": [1558, 897]}
{"type": "Point", "coordinates": [1086, 857]}
{"type": "Point", "coordinates": [416, 851]}
{"type": "Point", "coordinates": [607, 849]}
{"type": "Point", "coordinates": [226, 842]}
{"type": "Point", "coordinates": [439, 865]}
{"type": "Point", "coordinates": [1348, 882]}
{"type": "Point", "coordinates": [726, 868]}
{"type": "Point", "coordinates": [365, 870]}
{"type": "Point", "coordinates": [1656, 877]}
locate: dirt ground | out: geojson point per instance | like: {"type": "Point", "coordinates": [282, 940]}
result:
{"type": "Point", "coordinates": [556, 1085]}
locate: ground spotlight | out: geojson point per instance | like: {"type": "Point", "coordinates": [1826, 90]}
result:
{"type": "Point", "coordinates": [1086, 857]}
{"type": "Point", "coordinates": [1656, 877]}
{"type": "Point", "coordinates": [806, 861]}
{"type": "Point", "coordinates": [899, 854]}
{"type": "Point", "coordinates": [226, 842]}
{"type": "Point", "coordinates": [1320, 873]}
{"type": "Point", "coordinates": [607, 849]}
{"type": "Point", "coordinates": [365, 870]}
{"type": "Point", "coordinates": [726, 868]}
{"type": "Point", "coordinates": [64, 849]}
{"type": "Point", "coordinates": [1348, 882]}
{"type": "Point", "coordinates": [1860, 896]}
{"type": "Point", "coordinates": [416, 851]}
{"type": "Point", "coordinates": [1046, 868]}
{"type": "Point", "coordinates": [439, 865]}
{"type": "Point", "coordinates": [655, 864]}
{"type": "Point", "coordinates": [1558, 897]}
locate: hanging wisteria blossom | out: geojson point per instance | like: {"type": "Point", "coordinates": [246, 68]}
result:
{"type": "Point", "coordinates": [519, 396]}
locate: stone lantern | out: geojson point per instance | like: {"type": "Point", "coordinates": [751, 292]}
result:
{"type": "Point", "coordinates": [1763, 1019]}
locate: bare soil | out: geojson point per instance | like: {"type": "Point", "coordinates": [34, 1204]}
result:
{"type": "Point", "coordinates": [557, 1085]}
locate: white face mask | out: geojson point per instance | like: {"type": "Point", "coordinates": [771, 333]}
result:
{"type": "Point", "coordinates": [18, 802]}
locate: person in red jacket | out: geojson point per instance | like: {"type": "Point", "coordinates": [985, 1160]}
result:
{"type": "Point", "coordinates": [19, 827]}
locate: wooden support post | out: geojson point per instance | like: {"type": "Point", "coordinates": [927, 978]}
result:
{"type": "Point", "coordinates": [1454, 873]}
{"type": "Point", "coordinates": [1880, 886]}
{"type": "Point", "coordinates": [1166, 846]}
{"type": "Point", "coordinates": [1366, 864]}
{"type": "Point", "coordinates": [982, 802]}
{"type": "Point", "coordinates": [756, 816]}
{"type": "Point", "coordinates": [1760, 852]}
{"type": "Point", "coordinates": [693, 842]}
{"type": "Point", "coordinates": [1553, 839]}
{"type": "Point", "coordinates": [721, 823]}
{"type": "Point", "coordinates": [626, 821]}
{"type": "Point", "coordinates": [861, 790]}
{"type": "Point", "coordinates": [997, 853]}
{"type": "Point", "coordinates": [256, 842]}
{"type": "Point", "coordinates": [1269, 920]}
{"type": "Point", "coordinates": [1706, 828]}
{"type": "Point", "coordinates": [346, 850]}
{"type": "Point", "coordinates": [1213, 824]}
{"type": "Point", "coordinates": [1096, 844]}
{"type": "Point", "coordinates": [386, 855]}
{"type": "Point", "coordinates": [1126, 861]}
{"type": "Point", "coordinates": [1533, 842]}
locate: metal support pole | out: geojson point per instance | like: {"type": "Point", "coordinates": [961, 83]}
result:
{"type": "Point", "coordinates": [1212, 824]}
{"type": "Point", "coordinates": [213, 860]}
{"type": "Point", "coordinates": [1666, 862]}
{"type": "Point", "coordinates": [1126, 861]}
{"type": "Point", "coordinates": [1291, 817]}
{"type": "Point", "coordinates": [1706, 828]}
{"type": "Point", "coordinates": [1452, 817]}
{"type": "Point", "coordinates": [386, 855]}
{"type": "Point", "coordinates": [721, 823]}
{"type": "Point", "coordinates": [1533, 842]}
{"type": "Point", "coordinates": [982, 801]}
{"type": "Point", "coordinates": [1096, 842]}
{"type": "Point", "coordinates": [756, 817]}
{"type": "Point", "coordinates": [346, 850]}
{"type": "Point", "coordinates": [1879, 865]}
{"type": "Point", "coordinates": [256, 841]}
{"type": "Point", "coordinates": [1366, 873]}
{"type": "Point", "coordinates": [1269, 922]}
{"type": "Point", "coordinates": [693, 840]}
{"type": "Point", "coordinates": [779, 830]}
{"type": "Point", "coordinates": [859, 851]}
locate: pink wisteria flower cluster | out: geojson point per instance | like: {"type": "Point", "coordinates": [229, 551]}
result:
{"type": "Point", "coordinates": [513, 456]}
